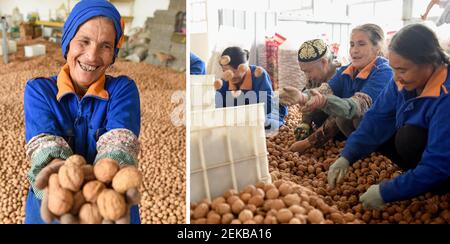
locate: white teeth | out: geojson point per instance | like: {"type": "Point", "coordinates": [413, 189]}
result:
{"type": "Point", "coordinates": [87, 67]}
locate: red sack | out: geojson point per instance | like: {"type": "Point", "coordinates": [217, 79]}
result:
{"type": "Point", "coordinates": [272, 44]}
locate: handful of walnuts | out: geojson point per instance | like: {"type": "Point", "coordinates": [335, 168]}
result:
{"type": "Point", "coordinates": [86, 194]}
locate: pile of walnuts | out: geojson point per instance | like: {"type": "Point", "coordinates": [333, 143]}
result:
{"type": "Point", "coordinates": [300, 193]}
{"type": "Point", "coordinates": [310, 170]}
{"type": "Point", "coordinates": [282, 202]}
{"type": "Point", "coordinates": [86, 194]}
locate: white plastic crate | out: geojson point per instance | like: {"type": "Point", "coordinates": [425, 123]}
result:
{"type": "Point", "coordinates": [12, 46]}
{"type": "Point", "coordinates": [34, 50]}
{"type": "Point", "coordinates": [202, 92]}
{"type": "Point", "coordinates": [228, 150]}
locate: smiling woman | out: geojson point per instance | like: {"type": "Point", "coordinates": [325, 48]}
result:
{"type": "Point", "coordinates": [349, 94]}
{"type": "Point", "coordinates": [408, 123]}
{"type": "Point", "coordinates": [81, 110]}
{"type": "Point", "coordinates": [91, 51]}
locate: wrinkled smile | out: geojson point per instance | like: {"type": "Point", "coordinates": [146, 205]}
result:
{"type": "Point", "coordinates": [87, 67]}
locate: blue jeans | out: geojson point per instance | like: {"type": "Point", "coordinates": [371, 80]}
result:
{"type": "Point", "coordinates": [33, 215]}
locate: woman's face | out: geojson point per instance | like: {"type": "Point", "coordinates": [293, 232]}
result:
{"type": "Point", "coordinates": [237, 78]}
{"type": "Point", "coordinates": [362, 51]}
{"type": "Point", "coordinates": [91, 51]}
{"type": "Point", "coordinates": [412, 76]}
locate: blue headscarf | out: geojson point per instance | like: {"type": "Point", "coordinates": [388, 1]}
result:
{"type": "Point", "coordinates": [85, 10]}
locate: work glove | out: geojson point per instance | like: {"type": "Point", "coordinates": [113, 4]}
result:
{"type": "Point", "coordinates": [291, 96]}
{"type": "Point", "coordinates": [300, 146]}
{"type": "Point", "coordinates": [43, 176]}
{"type": "Point", "coordinates": [337, 171]}
{"type": "Point", "coordinates": [41, 183]}
{"type": "Point", "coordinates": [372, 199]}
{"type": "Point", "coordinates": [302, 131]}
{"type": "Point", "coordinates": [315, 101]}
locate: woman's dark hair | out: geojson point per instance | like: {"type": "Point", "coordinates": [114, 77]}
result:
{"type": "Point", "coordinates": [237, 55]}
{"type": "Point", "coordinates": [418, 44]}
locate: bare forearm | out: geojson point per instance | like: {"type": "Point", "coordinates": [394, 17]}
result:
{"type": "Point", "coordinates": [430, 5]}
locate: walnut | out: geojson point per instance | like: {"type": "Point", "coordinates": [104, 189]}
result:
{"type": "Point", "coordinates": [126, 178]}
{"type": "Point", "coordinates": [71, 177]}
{"type": "Point", "coordinates": [92, 189]}
{"type": "Point", "coordinates": [105, 169]}
{"type": "Point", "coordinates": [60, 200]}
{"type": "Point", "coordinates": [89, 214]}
{"type": "Point", "coordinates": [75, 160]}
{"type": "Point", "coordinates": [111, 204]}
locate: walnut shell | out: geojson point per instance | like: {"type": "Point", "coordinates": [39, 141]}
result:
{"type": "Point", "coordinates": [92, 189]}
{"type": "Point", "coordinates": [242, 68]}
{"type": "Point", "coordinates": [337, 218]}
{"type": "Point", "coordinates": [315, 217]}
{"type": "Point", "coordinates": [126, 178]}
{"type": "Point", "coordinates": [111, 204]}
{"type": "Point", "coordinates": [225, 60]}
{"type": "Point", "coordinates": [291, 199]}
{"type": "Point", "coordinates": [213, 218]}
{"type": "Point", "coordinates": [71, 177]}
{"type": "Point", "coordinates": [227, 218]}
{"type": "Point", "coordinates": [88, 171]}
{"type": "Point", "coordinates": [60, 200]}
{"type": "Point", "coordinates": [75, 160]}
{"type": "Point", "coordinates": [105, 169]}
{"type": "Point", "coordinates": [284, 215]}
{"type": "Point", "coordinates": [245, 215]}
{"type": "Point", "coordinates": [223, 208]}
{"type": "Point", "coordinates": [272, 193]}
{"type": "Point", "coordinates": [257, 200]}
{"type": "Point", "coordinates": [201, 210]}
{"type": "Point", "coordinates": [90, 214]}
{"type": "Point", "coordinates": [228, 75]}
{"type": "Point", "coordinates": [218, 84]}
{"type": "Point", "coordinates": [68, 219]}
{"type": "Point", "coordinates": [258, 71]}
{"type": "Point", "coordinates": [78, 201]}
{"type": "Point", "coordinates": [107, 222]}
{"type": "Point", "coordinates": [216, 202]}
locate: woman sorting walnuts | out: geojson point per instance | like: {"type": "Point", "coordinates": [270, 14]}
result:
{"type": "Point", "coordinates": [351, 91]}
{"type": "Point", "coordinates": [244, 84]}
{"type": "Point", "coordinates": [81, 110]}
{"type": "Point", "coordinates": [409, 122]}
{"type": "Point", "coordinates": [315, 60]}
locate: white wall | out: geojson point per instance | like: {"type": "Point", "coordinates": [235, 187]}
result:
{"type": "Point", "coordinates": [200, 45]}
{"type": "Point", "coordinates": [204, 42]}
{"type": "Point", "coordinates": [386, 13]}
{"type": "Point", "coordinates": [141, 9]}
{"type": "Point", "coordinates": [146, 8]}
